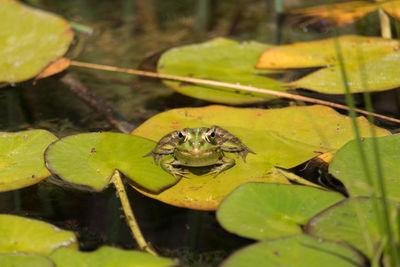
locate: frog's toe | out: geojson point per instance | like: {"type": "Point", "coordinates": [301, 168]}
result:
{"type": "Point", "coordinates": [180, 173]}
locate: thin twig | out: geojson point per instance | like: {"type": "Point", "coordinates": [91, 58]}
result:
{"type": "Point", "coordinates": [227, 85]}
{"type": "Point", "coordinates": [91, 98]}
{"type": "Point", "coordinates": [130, 218]}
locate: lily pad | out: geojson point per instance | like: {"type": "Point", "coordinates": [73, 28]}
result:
{"type": "Point", "coordinates": [107, 257]}
{"type": "Point", "coordinates": [21, 158]}
{"type": "Point", "coordinates": [379, 74]}
{"type": "Point", "coordinates": [299, 250]}
{"type": "Point", "coordinates": [90, 160]}
{"type": "Point", "coordinates": [30, 39]}
{"type": "Point", "coordinates": [267, 211]}
{"type": "Point", "coordinates": [340, 222]}
{"type": "Point", "coordinates": [348, 167]}
{"type": "Point", "coordinates": [282, 137]}
{"type": "Point", "coordinates": [323, 52]}
{"type": "Point", "coordinates": [378, 58]}
{"type": "Point", "coordinates": [19, 234]}
{"type": "Point", "coordinates": [343, 14]}
{"type": "Point", "coordinates": [221, 60]}
{"type": "Point", "coordinates": [24, 260]}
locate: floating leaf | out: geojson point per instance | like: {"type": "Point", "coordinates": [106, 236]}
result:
{"type": "Point", "coordinates": [267, 211]}
{"type": "Point", "coordinates": [324, 53]}
{"type": "Point", "coordinates": [377, 75]}
{"type": "Point", "coordinates": [90, 160]}
{"type": "Point", "coordinates": [107, 257]}
{"type": "Point", "coordinates": [24, 260]}
{"type": "Point", "coordinates": [21, 158]}
{"type": "Point", "coordinates": [32, 236]}
{"type": "Point", "coordinates": [370, 63]}
{"type": "Point", "coordinates": [347, 166]}
{"type": "Point", "coordinates": [54, 67]}
{"type": "Point", "coordinates": [281, 137]}
{"type": "Point", "coordinates": [219, 60]}
{"type": "Point", "coordinates": [391, 7]}
{"type": "Point", "coordinates": [340, 222]}
{"type": "Point", "coordinates": [341, 13]}
{"type": "Point", "coordinates": [299, 250]}
{"type": "Point", "coordinates": [30, 39]}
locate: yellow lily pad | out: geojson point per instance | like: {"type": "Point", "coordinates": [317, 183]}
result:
{"type": "Point", "coordinates": [341, 13]}
{"type": "Point", "coordinates": [29, 40]}
{"type": "Point", "coordinates": [21, 158]}
{"type": "Point", "coordinates": [323, 52]}
{"type": "Point", "coordinates": [282, 137]}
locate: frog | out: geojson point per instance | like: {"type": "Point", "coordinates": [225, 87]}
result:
{"type": "Point", "coordinates": [198, 147]}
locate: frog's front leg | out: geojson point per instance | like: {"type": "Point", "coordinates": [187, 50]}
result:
{"type": "Point", "coordinates": [225, 163]}
{"type": "Point", "coordinates": [168, 165]}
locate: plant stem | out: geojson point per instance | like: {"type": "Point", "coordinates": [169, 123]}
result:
{"type": "Point", "coordinates": [246, 88]}
{"type": "Point", "coordinates": [352, 113]}
{"type": "Point", "coordinates": [130, 218]}
{"type": "Point", "coordinates": [385, 24]}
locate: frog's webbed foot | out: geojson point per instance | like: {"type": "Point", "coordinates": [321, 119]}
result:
{"type": "Point", "coordinates": [244, 153]}
{"type": "Point", "coordinates": [168, 165]}
{"type": "Point", "coordinates": [224, 164]}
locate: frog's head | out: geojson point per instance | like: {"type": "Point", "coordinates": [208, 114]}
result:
{"type": "Point", "coordinates": [196, 140]}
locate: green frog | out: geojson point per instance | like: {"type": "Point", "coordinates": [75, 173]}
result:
{"type": "Point", "coordinates": [198, 147]}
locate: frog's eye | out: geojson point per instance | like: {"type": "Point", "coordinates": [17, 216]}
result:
{"type": "Point", "coordinates": [210, 136]}
{"type": "Point", "coordinates": [180, 135]}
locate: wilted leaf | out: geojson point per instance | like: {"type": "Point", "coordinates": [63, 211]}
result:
{"type": "Point", "coordinates": [219, 60]}
{"type": "Point", "coordinates": [21, 158]}
{"type": "Point", "coordinates": [281, 137]}
{"type": "Point", "coordinates": [19, 234]}
{"type": "Point", "coordinates": [298, 250]}
{"type": "Point", "coordinates": [90, 160]}
{"type": "Point", "coordinates": [348, 167]}
{"type": "Point", "coordinates": [54, 67]}
{"type": "Point", "coordinates": [30, 39]}
{"type": "Point", "coordinates": [107, 257]}
{"type": "Point", "coordinates": [268, 211]}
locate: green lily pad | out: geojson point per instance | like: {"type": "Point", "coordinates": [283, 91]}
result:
{"type": "Point", "coordinates": [282, 137]}
{"type": "Point", "coordinates": [107, 257]}
{"type": "Point", "coordinates": [340, 222]}
{"type": "Point", "coordinates": [21, 158]}
{"type": "Point", "coordinates": [19, 234]}
{"type": "Point", "coordinates": [267, 211]}
{"type": "Point", "coordinates": [298, 250]}
{"type": "Point", "coordinates": [348, 167]}
{"type": "Point", "coordinates": [24, 260]}
{"type": "Point", "coordinates": [30, 39]}
{"type": "Point", "coordinates": [221, 60]}
{"type": "Point", "coordinates": [323, 52]}
{"type": "Point", "coordinates": [90, 160]}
